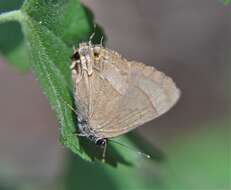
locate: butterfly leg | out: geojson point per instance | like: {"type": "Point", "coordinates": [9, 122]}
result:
{"type": "Point", "coordinates": [101, 64]}
{"type": "Point", "coordinates": [79, 134]}
{"type": "Point", "coordinates": [77, 71]}
{"type": "Point", "coordinates": [96, 68]}
{"type": "Point", "coordinates": [104, 151]}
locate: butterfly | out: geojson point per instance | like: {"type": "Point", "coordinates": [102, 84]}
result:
{"type": "Point", "coordinates": [114, 96]}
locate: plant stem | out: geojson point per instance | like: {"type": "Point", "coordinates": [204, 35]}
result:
{"type": "Point", "coordinates": [11, 16]}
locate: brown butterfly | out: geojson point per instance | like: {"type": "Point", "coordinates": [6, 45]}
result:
{"type": "Point", "coordinates": [113, 96]}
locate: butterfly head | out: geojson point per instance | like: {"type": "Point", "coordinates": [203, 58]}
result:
{"type": "Point", "coordinates": [87, 58]}
{"type": "Point", "coordinates": [87, 51]}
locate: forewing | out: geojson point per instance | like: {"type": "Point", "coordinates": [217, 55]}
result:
{"type": "Point", "coordinates": [143, 94]}
{"type": "Point", "coordinates": [160, 88]}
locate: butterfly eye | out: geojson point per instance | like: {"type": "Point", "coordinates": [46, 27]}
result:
{"type": "Point", "coordinates": [101, 142]}
{"type": "Point", "coordinates": [75, 56]}
{"type": "Point", "coordinates": [96, 54]}
{"type": "Point", "coordinates": [96, 51]}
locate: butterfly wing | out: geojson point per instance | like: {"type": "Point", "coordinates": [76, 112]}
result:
{"type": "Point", "coordinates": [129, 94]}
{"type": "Point", "coordinates": [125, 113]}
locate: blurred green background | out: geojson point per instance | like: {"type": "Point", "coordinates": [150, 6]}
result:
{"type": "Point", "coordinates": [189, 41]}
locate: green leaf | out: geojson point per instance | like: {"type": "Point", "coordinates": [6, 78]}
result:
{"type": "Point", "coordinates": [51, 66]}
{"type": "Point", "coordinates": [66, 19]}
{"type": "Point", "coordinates": [50, 28]}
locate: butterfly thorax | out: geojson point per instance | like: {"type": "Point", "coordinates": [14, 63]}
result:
{"type": "Point", "coordinates": [86, 59]}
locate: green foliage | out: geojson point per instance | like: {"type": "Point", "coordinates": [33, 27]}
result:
{"type": "Point", "coordinates": [197, 160]}
{"type": "Point", "coordinates": [226, 2]}
{"type": "Point", "coordinates": [46, 25]}
{"type": "Point", "coordinates": [10, 29]}
{"type": "Point", "coordinates": [13, 46]}
{"type": "Point", "coordinates": [66, 19]}
{"type": "Point", "coordinates": [50, 29]}
{"type": "Point", "coordinates": [200, 160]}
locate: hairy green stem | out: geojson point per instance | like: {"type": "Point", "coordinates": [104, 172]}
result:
{"type": "Point", "coordinates": [11, 16]}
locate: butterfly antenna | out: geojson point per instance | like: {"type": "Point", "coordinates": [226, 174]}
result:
{"type": "Point", "coordinates": [92, 35]}
{"type": "Point", "coordinates": [101, 41]}
{"type": "Point", "coordinates": [73, 47]}
{"type": "Point", "coordinates": [130, 148]}
{"type": "Point", "coordinates": [69, 106]}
